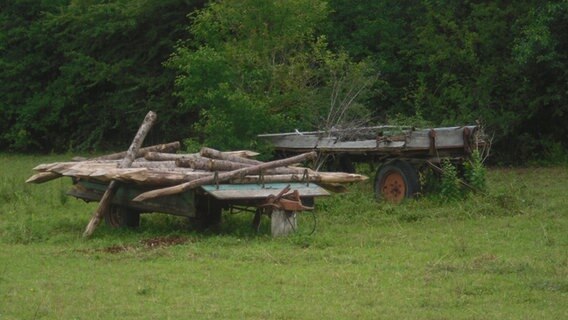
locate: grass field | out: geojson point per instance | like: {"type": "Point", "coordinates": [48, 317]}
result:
{"type": "Point", "coordinates": [503, 255]}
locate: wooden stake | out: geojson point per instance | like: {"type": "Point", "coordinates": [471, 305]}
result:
{"type": "Point", "coordinates": [106, 199]}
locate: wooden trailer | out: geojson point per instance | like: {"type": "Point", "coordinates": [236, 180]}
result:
{"type": "Point", "coordinates": [204, 205]}
{"type": "Point", "coordinates": [401, 153]}
{"type": "Point", "coordinates": [198, 185]}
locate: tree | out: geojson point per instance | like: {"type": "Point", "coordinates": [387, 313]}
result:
{"type": "Point", "coordinates": [255, 66]}
{"type": "Point", "coordinates": [80, 75]}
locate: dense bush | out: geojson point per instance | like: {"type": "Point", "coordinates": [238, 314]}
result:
{"type": "Point", "coordinates": [82, 75]}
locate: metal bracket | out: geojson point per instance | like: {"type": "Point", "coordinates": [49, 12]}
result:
{"type": "Point", "coordinates": [216, 179]}
{"type": "Point", "coordinates": [306, 177]}
{"type": "Point", "coordinates": [261, 178]}
{"type": "Point", "coordinates": [432, 136]}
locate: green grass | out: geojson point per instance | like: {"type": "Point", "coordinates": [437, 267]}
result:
{"type": "Point", "coordinates": [499, 256]}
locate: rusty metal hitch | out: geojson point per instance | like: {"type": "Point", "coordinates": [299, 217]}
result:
{"type": "Point", "coordinates": [284, 200]}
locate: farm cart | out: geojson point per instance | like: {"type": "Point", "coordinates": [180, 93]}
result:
{"type": "Point", "coordinates": [198, 186]}
{"type": "Point", "coordinates": [401, 153]}
{"type": "Point", "coordinates": [204, 205]}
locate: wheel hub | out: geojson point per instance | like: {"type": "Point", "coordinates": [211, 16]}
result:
{"type": "Point", "coordinates": [394, 188]}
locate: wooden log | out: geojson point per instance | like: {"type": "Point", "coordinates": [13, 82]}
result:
{"type": "Point", "coordinates": [225, 176]}
{"type": "Point", "coordinates": [42, 177]}
{"type": "Point", "coordinates": [57, 166]}
{"type": "Point", "coordinates": [160, 156]}
{"type": "Point", "coordinates": [131, 153]}
{"type": "Point", "coordinates": [163, 148]}
{"type": "Point", "coordinates": [242, 153]}
{"type": "Point", "coordinates": [169, 177]}
{"type": "Point", "coordinates": [105, 171]}
{"type": "Point", "coordinates": [319, 177]}
{"type": "Point", "coordinates": [216, 154]}
{"type": "Point", "coordinates": [202, 163]}
{"type": "Point", "coordinates": [147, 177]}
{"type": "Point", "coordinates": [154, 164]}
{"type": "Point", "coordinates": [45, 167]}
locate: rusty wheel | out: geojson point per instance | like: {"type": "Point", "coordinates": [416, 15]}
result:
{"type": "Point", "coordinates": [395, 181]}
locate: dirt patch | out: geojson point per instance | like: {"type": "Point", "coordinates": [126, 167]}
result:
{"type": "Point", "coordinates": [151, 243]}
{"type": "Point", "coordinates": [158, 242]}
{"type": "Point", "coordinates": [117, 249]}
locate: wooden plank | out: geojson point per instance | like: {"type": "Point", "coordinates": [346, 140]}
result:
{"type": "Point", "coordinates": [297, 141]}
{"type": "Point", "coordinates": [446, 138]}
{"type": "Point", "coordinates": [255, 191]}
{"type": "Point", "coordinates": [181, 205]}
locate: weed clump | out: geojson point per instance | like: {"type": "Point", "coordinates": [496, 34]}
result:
{"type": "Point", "coordinates": [475, 172]}
{"type": "Point", "coordinates": [450, 184]}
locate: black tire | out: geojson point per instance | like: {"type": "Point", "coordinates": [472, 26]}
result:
{"type": "Point", "coordinates": [395, 181]}
{"type": "Point", "coordinates": [122, 217]}
{"type": "Point", "coordinates": [208, 213]}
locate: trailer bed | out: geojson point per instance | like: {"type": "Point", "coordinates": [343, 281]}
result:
{"type": "Point", "coordinates": [377, 140]}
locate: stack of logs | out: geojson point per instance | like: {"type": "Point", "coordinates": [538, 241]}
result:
{"type": "Point", "coordinates": [169, 172]}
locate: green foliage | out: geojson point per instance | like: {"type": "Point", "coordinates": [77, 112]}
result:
{"type": "Point", "coordinates": [249, 61]}
{"type": "Point", "coordinates": [81, 75]}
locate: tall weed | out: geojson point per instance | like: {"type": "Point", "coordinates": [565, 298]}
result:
{"type": "Point", "coordinates": [450, 185]}
{"type": "Point", "coordinates": [475, 172]}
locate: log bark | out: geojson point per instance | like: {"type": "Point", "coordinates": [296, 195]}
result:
{"type": "Point", "coordinates": [207, 164]}
{"type": "Point", "coordinates": [223, 177]}
{"type": "Point", "coordinates": [42, 177]}
{"type": "Point", "coordinates": [216, 154]}
{"type": "Point", "coordinates": [163, 148]}
{"type": "Point", "coordinates": [242, 153]}
{"type": "Point", "coordinates": [146, 177]}
{"type": "Point", "coordinates": [160, 156]}
{"type": "Point", "coordinates": [202, 163]}
{"type": "Point", "coordinates": [155, 164]}
{"type": "Point", "coordinates": [106, 172]}
{"type": "Point", "coordinates": [320, 177]}
{"type": "Point", "coordinates": [131, 154]}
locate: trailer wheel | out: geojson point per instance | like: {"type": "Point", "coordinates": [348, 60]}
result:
{"type": "Point", "coordinates": [208, 213]}
{"type": "Point", "coordinates": [395, 181]}
{"type": "Point", "coordinates": [121, 217]}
